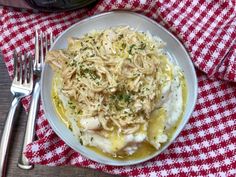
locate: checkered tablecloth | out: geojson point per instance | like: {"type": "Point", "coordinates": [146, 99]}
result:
{"type": "Point", "coordinates": [207, 145]}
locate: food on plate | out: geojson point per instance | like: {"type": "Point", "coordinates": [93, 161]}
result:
{"type": "Point", "coordinates": [117, 91]}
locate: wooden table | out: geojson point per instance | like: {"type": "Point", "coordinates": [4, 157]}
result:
{"type": "Point", "coordinates": [17, 140]}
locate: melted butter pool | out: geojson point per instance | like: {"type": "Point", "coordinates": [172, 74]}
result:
{"type": "Point", "coordinates": [145, 149]}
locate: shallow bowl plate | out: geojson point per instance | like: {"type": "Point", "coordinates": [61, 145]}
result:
{"type": "Point", "coordinates": [175, 50]}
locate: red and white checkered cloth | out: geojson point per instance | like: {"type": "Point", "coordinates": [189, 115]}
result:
{"type": "Point", "coordinates": [207, 145]}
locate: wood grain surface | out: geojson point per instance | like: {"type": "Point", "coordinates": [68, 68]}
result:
{"type": "Point", "coordinates": [16, 141]}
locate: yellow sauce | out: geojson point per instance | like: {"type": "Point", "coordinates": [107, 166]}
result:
{"type": "Point", "coordinates": [57, 103]}
{"type": "Point", "coordinates": [145, 149]}
{"type": "Point", "coordinates": [172, 130]}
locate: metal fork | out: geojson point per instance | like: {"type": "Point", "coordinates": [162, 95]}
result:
{"type": "Point", "coordinates": [22, 86]}
{"type": "Point", "coordinates": [42, 45]}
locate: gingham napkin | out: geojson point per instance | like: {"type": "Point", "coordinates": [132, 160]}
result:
{"type": "Point", "coordinates": [206, 146]}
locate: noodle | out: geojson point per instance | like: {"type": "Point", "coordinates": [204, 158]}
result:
{"type": "Point", "coordinates": [114, 76]}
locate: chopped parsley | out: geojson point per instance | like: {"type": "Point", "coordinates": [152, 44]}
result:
{"type": "Point", "coordinates": [71, 105]}
{"type": "Point", "coordinates": [121, 97]}
{"type": "Point", "coordinates": [142, 46]}
{"type": "Point", "coordinates": [123, 45]}
{"type": "Point", "coordinates": [72, 63]}
{"type": "Point", "coordinates": [131, 48]}
{"type": "Point", "coordinates": [120, 36]}
{"type": "Point", "coordinates": [129, 59]}
{"type": "Point", "coordinates": [83, 49]}
{"type": "Point", "coordinates": [86, 71]}
{"type": "Point", "coordinates": [70, 128]}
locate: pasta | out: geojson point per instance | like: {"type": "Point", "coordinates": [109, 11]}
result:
{"type": "Point", "coordinates": [112, 82]}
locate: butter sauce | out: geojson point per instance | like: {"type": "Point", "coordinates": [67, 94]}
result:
{"type": "Point", "coordinates": [145, 149]}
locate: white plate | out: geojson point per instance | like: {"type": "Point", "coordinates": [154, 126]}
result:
{"type": "Point", "coordinates": [174, 48]}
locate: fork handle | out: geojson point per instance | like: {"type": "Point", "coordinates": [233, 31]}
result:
{"type": "Point", "coordinates": [23, 162]}
{"type": "Point", "coordinates": [7, 133]}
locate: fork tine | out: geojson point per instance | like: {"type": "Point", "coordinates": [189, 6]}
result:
{"type": "Point", "coordinates": [46, 47]}
{"type": "Point", "coordinates": [21, 69]}
{"type": "Point", "coordinates": [30, 68]}
{"type": "Point", "coordinates": [36, 56]}
{"type": "Point", "coordinates": [51, 39]}
{"type": "Point", "coordinates": [41, 47]}
{"type": "Point", "coordinates": [25, 68]}
{"type": "Point", "coordinates": [15, 64]}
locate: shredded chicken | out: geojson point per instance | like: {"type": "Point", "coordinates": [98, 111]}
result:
{"type": "Point", "coordinates": [106, 71]}
{"type": "Point", "coordinates": [113, 79]}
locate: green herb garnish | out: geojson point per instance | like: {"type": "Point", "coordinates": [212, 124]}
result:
{"type": "Point", "coordinates": [131, 48]}
{"type": "Point", "coordinates": [120, 36]}
{"type": "Point", "coordinates": [142, 46]}
{"type": "Point", "coordinates": [123, 45]}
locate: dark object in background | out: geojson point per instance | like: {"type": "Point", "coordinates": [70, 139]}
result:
{"type": "Point", "coordinates": [48, 5]}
